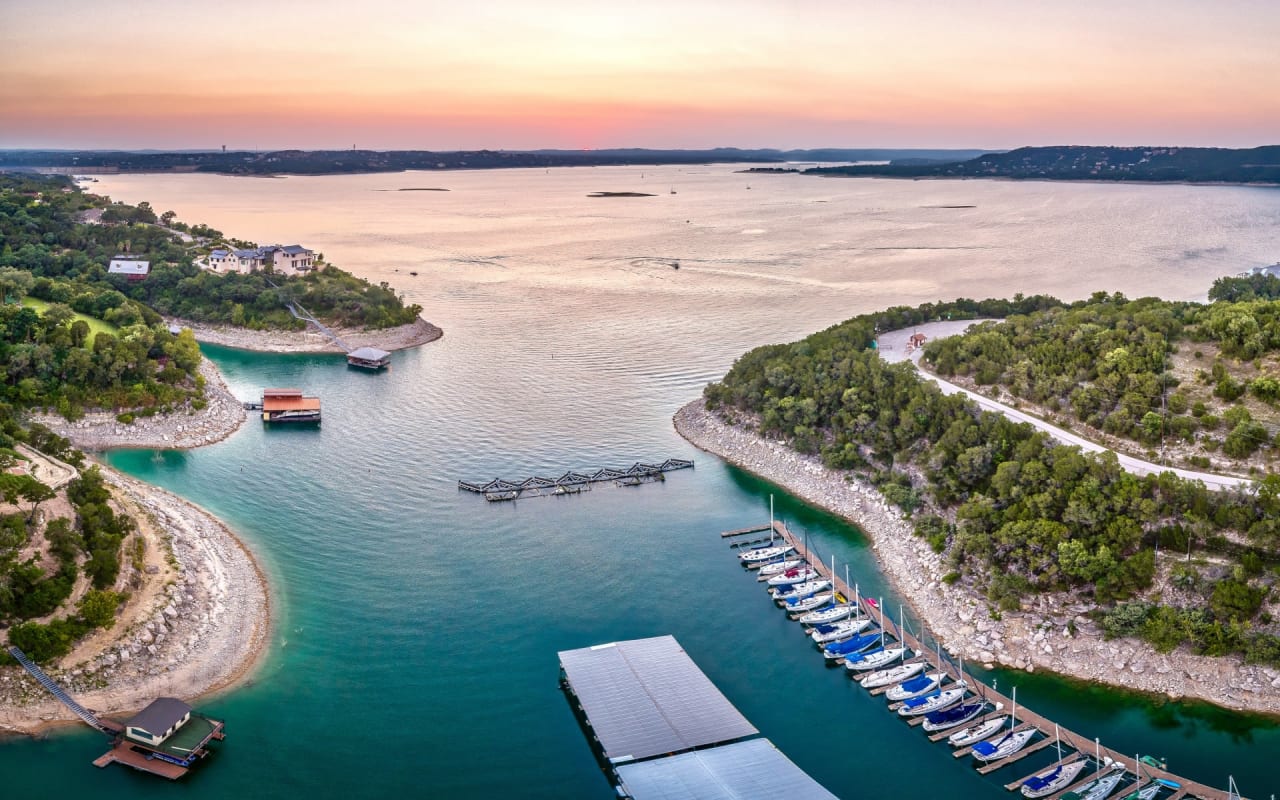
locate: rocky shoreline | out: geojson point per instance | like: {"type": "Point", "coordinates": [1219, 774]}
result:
{"type": "Point", "coordinates": [204, 628]}
{"type": "Point", "coordinates": [1053, 635]}
{"type": "Point", "coordinates": [418, 332]}
{"type": "Point", "coordinates": [100, 430]}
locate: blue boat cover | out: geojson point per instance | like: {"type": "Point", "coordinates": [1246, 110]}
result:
{"type": "Point", "coordinates": [1036, 782]}
{"type": "Point", "coordinates": [853, 645]}
{"type": "Point", "coordinates": [986, 748]}
{"type": "Point", "coordinates": [916, 684]}
{"type": "Point", "coordinates": [952, 714]}
{"type": "Point", "coordinates": [824, 628]}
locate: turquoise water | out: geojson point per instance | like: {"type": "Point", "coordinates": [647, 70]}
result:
{"type": "Point", "coordinates": [415, 650]}
{"type": "Point", "coordinates": [417, 627]}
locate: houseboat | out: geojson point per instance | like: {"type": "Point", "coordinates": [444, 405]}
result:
{"type": "Point", "coordinates": [370, 358]}
{"type": "Point", "coordinates": [288, 405]}
{"type": "Point", "coordinates": [166, 738]}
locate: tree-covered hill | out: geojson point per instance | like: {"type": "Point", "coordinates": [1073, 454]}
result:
{"type": "Point", "coordinates": [1190, 382]}
{"type": "Point", "coordinates": [42, 232]}
{"type": "Point", "coordinates": [1016, 513]}
{"type": "Point", "coordinates": [1164, 164]}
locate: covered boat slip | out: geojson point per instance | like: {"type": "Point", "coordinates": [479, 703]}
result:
{"type": "Point", "coordinates": [741, 771]}
{"type": "Point", "coordinates": [646, 697]}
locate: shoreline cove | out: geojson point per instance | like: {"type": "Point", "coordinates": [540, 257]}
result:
{"type": "Point", "coordinates": [1038, 637]}
{"type": "Point", "coordinates": [215, 593]}
{"type": "Point", "coordinates": [203, 579]}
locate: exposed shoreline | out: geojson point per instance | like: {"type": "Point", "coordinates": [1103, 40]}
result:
{"type": "Point", "coordinates": [418, 332]}
{"type": "Point", "coordinates": [204, 631]}
{"type": "Point", "coordinates": [200, 621]}
{"type": "Point", "coordinates": [1034, 638]}
{"type": "Point", "coordinates": [100, 430]}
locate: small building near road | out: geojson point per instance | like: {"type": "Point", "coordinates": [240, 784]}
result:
{"type": "Point", "coordinates": [132, 268]}
{"type": "Point", "coordinates": [917, 340]}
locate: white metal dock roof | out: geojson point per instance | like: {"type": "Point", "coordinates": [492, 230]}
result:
{"type": "Point", "coordinates": [646, 697]}
{"type": "Point", "coordinates": [750, 770]}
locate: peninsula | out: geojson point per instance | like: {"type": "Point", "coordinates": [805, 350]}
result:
{"type": "Point", "coordinates": [125, 592]}
{"type": "Point", "coordinates": [1013, 548]}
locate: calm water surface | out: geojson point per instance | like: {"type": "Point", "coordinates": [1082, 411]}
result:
{"type": "Point", "coordinates": [415, 652]}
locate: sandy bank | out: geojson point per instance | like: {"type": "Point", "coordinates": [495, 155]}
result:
{"type": "Point", "coordinates": [199, 623]}
{"type": "Point", "coordinates": [100, 430]}
{"type": "Point", "coordinates": [414, 334]}
{"type": "Point", "coordinates": [1038, 637]}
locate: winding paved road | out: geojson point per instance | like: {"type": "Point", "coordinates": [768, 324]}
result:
{"type": "Point", "coordinates": [893, 347]}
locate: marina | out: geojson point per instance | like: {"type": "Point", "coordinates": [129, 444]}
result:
{"type": "Point", "coordinates": [1024, 726]}
{"type": "Point", "coordinates": [663, 730]}
{"type": "Point", "coordinates": [574, 482]}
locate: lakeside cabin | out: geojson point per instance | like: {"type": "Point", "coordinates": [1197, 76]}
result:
{"type": "Point", "coordinates": [288, 405]}
{"type": "Point", "coordinates": [166, 738]}
{"type": "Point", "coordinates": [370, 358]}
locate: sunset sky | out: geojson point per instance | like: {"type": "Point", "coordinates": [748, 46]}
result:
{"type": "Point", "coordinates": [397, 74]}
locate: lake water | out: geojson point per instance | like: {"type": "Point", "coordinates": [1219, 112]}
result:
{"type": "Point", "coordinates": [415, 653]}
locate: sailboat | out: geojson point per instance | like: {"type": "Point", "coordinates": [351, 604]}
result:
{"type": "Point", "coordinates": [976, 732]}
{"type": "Point", "coordinates": [1101, 787]}
{"type": "Point", "coordinates": [784, 593]}
{"type": "Point", "coordinates": [1009, 743]}
{"type": "Point", "coordinates": [800, 605]}
{"type": "Point", "coordinates": [895, 674]}
{"type": "Point", "coordinates": [915, 687]}
{"type": "Point", "coordinates": [769, 570]}
{"type": "Point", "coordinates": [933, 701]}
{"type": "Point", "coordinates": [836, 611]}
{"type": "Point", "coordinates": [882, 656]}
{"type": "Point", "coordinates": [793, 576]}
{"type": "Point", "coordinates": [1055, 779]}
{"type": "Point", "coordinates": [850, 647]}
{"type": "Point", "coordinates": [836, 631]}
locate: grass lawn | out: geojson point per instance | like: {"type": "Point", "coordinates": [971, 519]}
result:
{"type": "Point", "coordinates": [96, 326]}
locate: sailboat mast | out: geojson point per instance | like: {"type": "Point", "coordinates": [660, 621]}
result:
{"type": "Point", "coordinates": [770, 519]}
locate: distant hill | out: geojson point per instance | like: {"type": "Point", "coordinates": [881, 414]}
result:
{"type": "Point", "coordinates": [324, 162]}
{"type": "Point", "coordinates": [1181, 164]}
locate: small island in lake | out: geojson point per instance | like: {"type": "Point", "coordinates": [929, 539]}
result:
{"type": "Point", "coordinates": [621, 194]}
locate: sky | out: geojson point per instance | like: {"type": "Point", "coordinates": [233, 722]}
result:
{"type": "Point", "coordinates": [422, 74]}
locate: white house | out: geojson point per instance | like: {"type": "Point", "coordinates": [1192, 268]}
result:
{"type": "Point", "coordinates": [281, 258]}
{"type": "Point", "coordinates": [134, 269]}
{"type": "Point", "coordinates": [158, 721]}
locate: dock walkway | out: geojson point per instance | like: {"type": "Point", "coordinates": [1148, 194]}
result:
{"type": "Point", "coordinates": [574, 482]}
{"type": "Point", "coordinates": [1023, 716]}
{"type": "Point", "coordinates": [57, 691]}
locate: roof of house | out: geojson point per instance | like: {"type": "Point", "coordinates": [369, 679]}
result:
{"type": "Point", "coordinates": [160, 716]}
{"type": "Point", "coordinates": [252, 253]}
{"type": "Point", "coordinates": [129, 266]}
{"type": "Point", "coordinates": [368, 354]}
{"type": "Point", "coordinates": [295, 249]}
{"type": "Point", "coordinates": [219, 254]}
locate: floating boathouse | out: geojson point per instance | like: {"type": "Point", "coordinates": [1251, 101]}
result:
{"type": "Point", "coordinates": [663, 731]}
{"type": "Point", "coordinates": [288, 405]}
{"type": "Point", "coordinates": [370, 358]}
{"type": "Point", "coordinates": [166, 738]}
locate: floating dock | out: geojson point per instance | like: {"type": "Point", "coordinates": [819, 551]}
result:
{"type": "Point", "coordinates": [1143, 773]}
{"type": "Point", "coordinates": [166, 738]}
{"type": "Point", "coordinates": [574, 482]}
{"type": "Point", "coordinates": [664, 731]}
{"type": "Point", "coordinates": [289, 405]}
{"type": "Point", "coordinates": [370, 358]}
